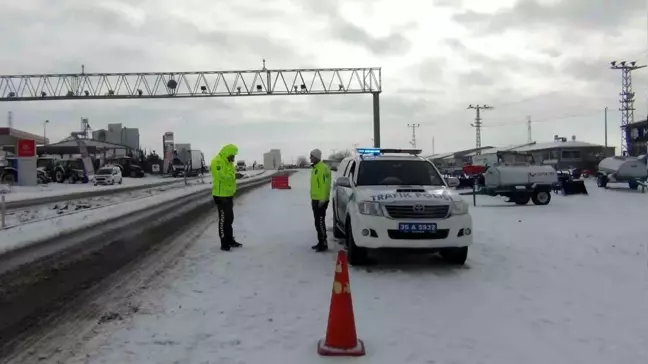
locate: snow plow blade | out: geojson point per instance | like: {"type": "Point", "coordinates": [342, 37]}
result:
{"type": "Point", "coordinates": [574, 188]}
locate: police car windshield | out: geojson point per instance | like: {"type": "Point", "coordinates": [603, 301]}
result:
{"type": "Point", "coordinates": [398, 172]}
{"type": "Point", "coordinates": [105, 171]}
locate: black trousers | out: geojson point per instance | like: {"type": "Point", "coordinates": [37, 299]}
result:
{"type": "Point", "coordinates": [319, 215]}
{"type": "Point", "coordinates": [225, 219]}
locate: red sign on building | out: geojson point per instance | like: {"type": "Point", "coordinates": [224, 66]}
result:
{"type": "Point", "coordinates": [26, 148]}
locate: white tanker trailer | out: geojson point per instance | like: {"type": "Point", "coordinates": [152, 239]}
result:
{"type": "Point", "coordinates": [519, 181]}
{"type": "Point", "coordinates": [622, 169]}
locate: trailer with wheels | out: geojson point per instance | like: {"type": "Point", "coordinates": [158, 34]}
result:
{"type": "Point", "coordinates": [517, 177]}
{"type": "Point", "coordinates": [622, 169]}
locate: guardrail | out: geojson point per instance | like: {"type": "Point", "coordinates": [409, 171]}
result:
{"type": "Point", "coordinates": [34, 278]}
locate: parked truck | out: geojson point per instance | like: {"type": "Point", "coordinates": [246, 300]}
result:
{"type": "Point", "coordinates": [196, 165]}
{"type": "Point", "coordinates": [240, 166]}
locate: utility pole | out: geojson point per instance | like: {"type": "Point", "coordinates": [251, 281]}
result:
{"type": "Point", "coordinates": [10, 119]}
{"type": "Point", "coordinates": [627, 99]}
{"type": "Point", "coordinates": [413, 126]}
{"type": "Point", "coordinates": [529, 136]}
{"type": "Point", "coordinates": [432, 145]}
{"type": "Point", "coordinates": [478, 124]}
{"type": "Point", "coordinates": [606, 134]}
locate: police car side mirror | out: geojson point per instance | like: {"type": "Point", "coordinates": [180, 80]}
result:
{"type": "Point", "coordinates": [452, 181]}
{"type": "Point", "coordinates": [343, 182]}
{"type": "Point", "coordinates": [334, 169]}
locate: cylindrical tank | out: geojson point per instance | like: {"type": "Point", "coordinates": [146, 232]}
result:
{"type": "Point", "coordinates": [623, 167]}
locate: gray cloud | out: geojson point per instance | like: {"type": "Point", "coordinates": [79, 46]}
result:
{"type": "Point", "coordinates": [163, 35]}
{"type": "Point", "coordinates": [393, 44]}
{"type": "Point", "coordinates": [570, 14]}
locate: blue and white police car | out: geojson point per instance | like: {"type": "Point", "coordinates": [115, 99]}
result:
{"type": "Point", "coordinates": [394, 198]}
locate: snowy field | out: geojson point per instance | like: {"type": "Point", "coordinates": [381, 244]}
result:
{"type": "Point", "coordinates": [562, 284]}
{"type": "Point", "coordinates": [16, 193]}
{"type": "Point", "coordinates": [32, 214]}
{"type": "Point", "coordinates": [46, 221]}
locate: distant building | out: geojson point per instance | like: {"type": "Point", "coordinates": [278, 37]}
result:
{"type": "Point", "coordinates": [637, 134]}
{"type": "Point", "coordinates": [272, 159]}
{"type": "Point", "coordinates": [455, 159]}
{"type": "Point", "coordinates": [117, 134]}
{"type": "Point", "coordinates": [562, 153]}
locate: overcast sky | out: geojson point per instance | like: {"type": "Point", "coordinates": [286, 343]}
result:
{"type": "Point", "coordinates": [545, 58]}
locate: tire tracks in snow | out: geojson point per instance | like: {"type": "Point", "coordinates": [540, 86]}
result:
{"type": "Point", "coordinates": [62, 334]}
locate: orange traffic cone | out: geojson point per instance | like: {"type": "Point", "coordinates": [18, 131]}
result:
{"type": "Point", "coordinates": [341, 339]}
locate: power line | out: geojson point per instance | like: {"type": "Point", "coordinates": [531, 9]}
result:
{"type": "Point", "coordinates": [543, 120]}
{"type": "Point", "coordinates": [413, 126]}
{"type": "Point", "coordinates": [478, 125]}
{"type": "Point", "coordinates": [627, 98]}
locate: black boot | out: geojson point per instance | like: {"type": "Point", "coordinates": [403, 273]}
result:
{"type": "Point", "coordinates": [225, 247]}
{"type": "Point", "coordinates": [235, 244]}
{"type": "Point", "coordinates": [321, 247]}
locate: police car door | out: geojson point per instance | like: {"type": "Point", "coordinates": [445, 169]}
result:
{"type": "Point", "coordinates": [345, 192]}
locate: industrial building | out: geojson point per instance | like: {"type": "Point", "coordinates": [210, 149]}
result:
{"type": "Point", "coordinates": [562, 153]}
{"type": "Point", "coordinates": [455, 159]}
{"type": "Point", "coordinates": [117, 134]}
{"type": "Point", "coordinates": [637, 136]}
{"type": "Point", "coordinates": [272, 159]}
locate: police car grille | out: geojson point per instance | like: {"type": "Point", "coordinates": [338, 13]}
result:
{"type": "Point", "coordinates": [407, 212]}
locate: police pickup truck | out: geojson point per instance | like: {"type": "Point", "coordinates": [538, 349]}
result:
{"type": "Point", "coordinates": [393, 198]}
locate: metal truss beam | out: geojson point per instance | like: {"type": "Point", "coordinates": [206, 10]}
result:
{"type": "Point", "coordinates": [263, 82]}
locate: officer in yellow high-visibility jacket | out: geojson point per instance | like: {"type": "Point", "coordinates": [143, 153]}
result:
{"type": "Point", "coordinates": [223, 190]}
{"type": "Point", "coordinates": [320, 192]}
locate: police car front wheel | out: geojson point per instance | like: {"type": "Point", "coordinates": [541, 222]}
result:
{"type": "Point", "coordinates": [456, 256]}
{"type": "Point", "coordinates": [357, 255]}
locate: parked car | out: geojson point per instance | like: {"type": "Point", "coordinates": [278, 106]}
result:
{"type": "Point", "coordinates": [108, 175]}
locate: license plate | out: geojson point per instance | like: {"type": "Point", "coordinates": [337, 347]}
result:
{"type": "Point", "coordinates": [416, 228]}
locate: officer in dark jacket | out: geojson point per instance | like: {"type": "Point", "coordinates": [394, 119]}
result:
{"type": "Point", "coordinates": [223, 190]}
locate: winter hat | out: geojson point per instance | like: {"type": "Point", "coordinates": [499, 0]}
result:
{"type": "Point", "coordinates": [316, 153]}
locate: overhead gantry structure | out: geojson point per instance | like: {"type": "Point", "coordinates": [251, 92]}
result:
{"type": "Point", "coordinates": [158, 85]}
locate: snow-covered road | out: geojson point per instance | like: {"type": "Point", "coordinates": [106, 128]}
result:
{"type": "Point", "coordinates": [562, 284]}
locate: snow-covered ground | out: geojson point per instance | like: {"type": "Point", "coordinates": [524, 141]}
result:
{"type": "Point", "coordinates": [32, 214]}
{"type": "Point", "coordinates": [47, 221]}
{"type": "Point", "coordinates": [17, 193]}
{"type": "Point", "coordinates": [562, 284]}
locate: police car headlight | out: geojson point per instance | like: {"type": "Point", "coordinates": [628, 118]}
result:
{"type": "Point", "coordinates": [370, 208]}
{"type": "Point", "coordinates": [459, 207]}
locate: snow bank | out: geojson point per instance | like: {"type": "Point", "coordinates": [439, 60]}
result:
{"type": "Point", "coordinates": [29, 233]}
{"type": "Point", "coordinates": [57, 189]}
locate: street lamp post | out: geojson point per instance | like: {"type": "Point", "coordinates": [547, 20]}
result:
{"type": "Point", "coordinates": [45, 131]}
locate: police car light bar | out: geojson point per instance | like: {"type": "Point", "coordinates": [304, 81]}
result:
{"type": "Point", "coordinates": [379, 151]}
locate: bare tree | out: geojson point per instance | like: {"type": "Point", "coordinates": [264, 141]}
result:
{"type": "Point", "coordinates": [339, 155]}
{"type": "Point", "coordinates": [302, 161]}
